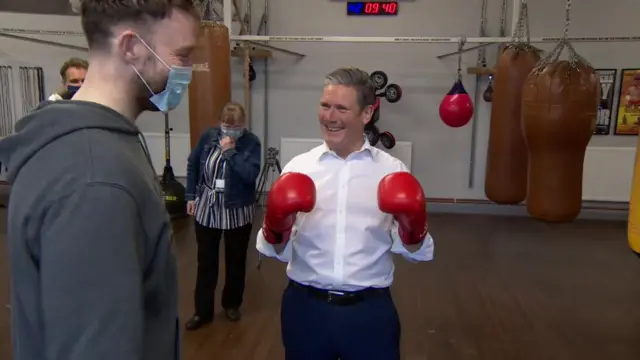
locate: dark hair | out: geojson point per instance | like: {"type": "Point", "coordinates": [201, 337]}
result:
{"type": "Point", "coordinates": [72, 63]}
{"type": "Point", "coordinates": [100, 16]}
{"type": "Point", "coordinates": [357, 79]}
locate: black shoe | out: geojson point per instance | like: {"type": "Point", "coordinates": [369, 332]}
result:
{"type": "Point", "coordinates": [196, 322]}
{"type": "Point", "coordinates": [232, 314]}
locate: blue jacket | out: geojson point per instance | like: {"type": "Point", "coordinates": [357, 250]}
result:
{"type": "Point", "coordinates": [242, 169]}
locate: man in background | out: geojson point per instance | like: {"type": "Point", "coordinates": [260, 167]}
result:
{"type": "Point", "coordinates": [72, 72]}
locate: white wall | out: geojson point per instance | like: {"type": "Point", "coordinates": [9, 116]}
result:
{"type": "Point", "coordinates": [50, 58]}
{"type": "Point", "coordinates": [441, 155]}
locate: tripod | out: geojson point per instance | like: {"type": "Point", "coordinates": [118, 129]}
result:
{"type": "Point", "coordinates": [271, 165]}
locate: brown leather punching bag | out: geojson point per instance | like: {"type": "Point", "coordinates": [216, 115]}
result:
{"type": "Point", "coordinates": [210, 87]}
{"type": "Point", "coordinates": [559, 107]}
{"type": "Point", "coordinates": [506, 169]}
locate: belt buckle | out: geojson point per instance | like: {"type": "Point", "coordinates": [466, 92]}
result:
{"type": "Point", "coordinates": [331, 295]}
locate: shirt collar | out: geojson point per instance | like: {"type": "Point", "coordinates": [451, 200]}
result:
{"type": "Point", "coordinates": [366, 148]}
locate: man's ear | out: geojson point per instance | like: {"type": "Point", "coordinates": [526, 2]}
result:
{"type": "Point", "coordinates": [367, 114]}
{"type": "Point", "coordinates": [128, 48]}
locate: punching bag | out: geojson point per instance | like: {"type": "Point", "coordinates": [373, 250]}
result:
{"type": "Point", "coordinates": [506, 169]}
{"type": "Point", "coordinates": [559, 108]}
{"type": "Point", "coordinates": [633, 223]}
{"type": "Point", "coordinates": [210, 87]}
{"type": "Point", "coordinates": [456, 108]}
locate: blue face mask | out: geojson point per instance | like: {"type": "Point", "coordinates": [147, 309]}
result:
{"type": "Point", "coordinates": [73, 88]}
{"type": "Point", "coordinates": [233, 133]}
{"type": "Point", "coordinates": [177, 83]}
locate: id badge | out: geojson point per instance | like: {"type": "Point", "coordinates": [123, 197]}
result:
{"type": "Point", "coordinates": [219, 185]}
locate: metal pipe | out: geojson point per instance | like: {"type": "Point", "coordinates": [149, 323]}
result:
{"type": "Point", "coordinates": [477, 99]}
{"type": "Point", "coordinates": [368, 39]}
{"type": "Point", "coordinates": [265, 95]}
{"type": "Point", "coordinates": [424, 40]}
{"type": "Point", "coordinates": [227, 13]}
{"type": "Point", "coordinates": [477, 47]}
{"type": "Point", "coordinates": [43, 42]}
{"type": "Point", "coordinates": [275, 48]}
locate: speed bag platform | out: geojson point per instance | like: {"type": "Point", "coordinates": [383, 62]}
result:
{"type": "Point", "coordinates": [173, 193]}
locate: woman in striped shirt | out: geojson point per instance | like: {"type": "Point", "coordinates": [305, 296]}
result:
{"type": "Point", "coordinates": [221, 189]}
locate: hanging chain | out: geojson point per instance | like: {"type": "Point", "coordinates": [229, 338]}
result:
{"type": "Point", "coordinates": [564, 43]}
{"type": "Point", "coordinates": [503, 19]}
{"type": "Point", "coordinates": [520, 37]}
{"type": "Point", "coordinates": [463, 40]}
{"type": "Point", "coordinates": [567, 20]}
{"type": "Point", "coordinates": [482, 53]}
{"type": "Point", "coordinates": [207, 10]}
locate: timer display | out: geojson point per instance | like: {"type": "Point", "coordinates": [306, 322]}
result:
{"type": "Point", "coordinates": [360, 8]}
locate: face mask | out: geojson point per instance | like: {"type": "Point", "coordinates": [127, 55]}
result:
{"type": "Point", "coordinates": [177, 83]}
{"type": "Point", "coordinates": [73, 88]}
{"type": "Point", "coordinates": [231, 132]}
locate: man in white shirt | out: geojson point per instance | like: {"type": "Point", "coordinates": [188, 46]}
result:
{"type": "Point", "coordinates": [324, 219]}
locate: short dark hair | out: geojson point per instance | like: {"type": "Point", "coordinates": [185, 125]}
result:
{"type": "Point", "coordinates": [100, 16]}
{"type": "Point", "coordinates": [357, 79]}
{"type": "Point", "coordinates": [74, 62]}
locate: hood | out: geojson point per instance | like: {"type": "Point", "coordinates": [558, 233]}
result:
{"type": "Point", "coordinates": [51, 121]}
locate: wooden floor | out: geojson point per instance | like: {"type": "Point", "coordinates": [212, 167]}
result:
{"type": "Point", "coordinates": [500, 289]}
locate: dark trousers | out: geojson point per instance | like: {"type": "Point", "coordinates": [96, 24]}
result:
{"type": "Point", "coordinates": [315, 329]}
{"type": "Point", "coordinates": [236, 242]}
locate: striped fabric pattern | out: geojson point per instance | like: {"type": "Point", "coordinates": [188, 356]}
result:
{"type": "Point", "coordinates": [210, 210]}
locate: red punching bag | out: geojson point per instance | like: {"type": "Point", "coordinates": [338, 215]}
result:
{"type": "Point", "coordinates": [456, 109]}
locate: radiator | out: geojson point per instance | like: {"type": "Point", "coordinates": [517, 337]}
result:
{"type": "Point", "coordinates": [608, 173]}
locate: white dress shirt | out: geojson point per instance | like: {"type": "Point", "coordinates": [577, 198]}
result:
{"type": "Point", "coordinates": [345, 242]}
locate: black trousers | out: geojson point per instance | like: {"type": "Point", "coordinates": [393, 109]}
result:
{"type": "Point", "coordinates": [315, 329]}
{"type": "Point", "coordinates": [236, 242]}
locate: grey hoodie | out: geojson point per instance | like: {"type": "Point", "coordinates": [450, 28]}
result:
{"type": "Point", "coordinates": [93, 276]}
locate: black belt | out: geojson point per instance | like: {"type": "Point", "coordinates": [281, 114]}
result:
{"type": "Point", "coordinates": [343, 298]}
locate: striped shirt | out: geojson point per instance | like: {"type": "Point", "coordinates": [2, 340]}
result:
{"type": "Point", "coordinates": [210, 210]}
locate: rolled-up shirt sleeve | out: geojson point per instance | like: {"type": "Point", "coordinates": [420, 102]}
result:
{"type": "Point", "coordinates": [424, 252]}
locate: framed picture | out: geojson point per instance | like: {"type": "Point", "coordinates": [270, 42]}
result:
{"type": "Point", "coordinates": [628, 114]}
{"type": "Point", "coordinates": [608, 78]}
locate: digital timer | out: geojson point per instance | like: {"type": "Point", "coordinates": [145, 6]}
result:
{"type": "Point", "coordinates": [359, 8]}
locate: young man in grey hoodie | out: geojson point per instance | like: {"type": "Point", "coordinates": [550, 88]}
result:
{"type": "Point", "coordinates": [92, 272]}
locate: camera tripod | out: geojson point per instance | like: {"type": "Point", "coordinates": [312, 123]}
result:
{"type": "Point", "coordinates": [271, 165]}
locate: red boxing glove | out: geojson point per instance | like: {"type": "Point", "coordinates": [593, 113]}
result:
{"type": "Point", "coordinates": [290, 193]}
{"type": "Point", "coordinates": [401, 195]}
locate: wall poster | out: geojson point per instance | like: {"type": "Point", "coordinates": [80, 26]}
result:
{"type": "Point", "coordinates": [607, 79]}
{"type": "Point", "coordinates": [628, 114]}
